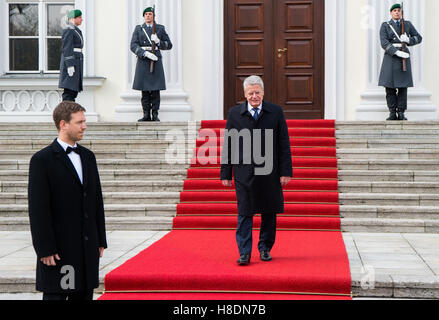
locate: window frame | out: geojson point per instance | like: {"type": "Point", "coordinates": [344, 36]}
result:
{"type": "Point", "coordinates": [42, 36]}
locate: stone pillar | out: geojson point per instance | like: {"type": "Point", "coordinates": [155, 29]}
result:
{"type": "Point", "coordinates": [373, 105]}
{"type": "Point", "coordinates": [174, 105]}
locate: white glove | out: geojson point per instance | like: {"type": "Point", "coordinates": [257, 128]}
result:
{"type": "Point", "coordinates": [402, 54]}
{"type": "Point", "coordinates": [405, 38]}
{"type": "Point", "coordinates": [155, 38]}
{"type": "Point", "coordinates": [71, 71]}
{"type": "Point", "coordinates": [150, 56]}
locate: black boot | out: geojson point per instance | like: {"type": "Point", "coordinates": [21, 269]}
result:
{"type": "Point", "coordinates": [401, 116]}
{"type": "Point", "coordinates": [146, 115]}
{"type": "Point", "coordinates": [155, 116]}
{"type": "Point", "coordinates": [393, 116]}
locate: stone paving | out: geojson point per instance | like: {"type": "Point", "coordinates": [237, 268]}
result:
{"type": "Point", "coordinates": [382, 265]}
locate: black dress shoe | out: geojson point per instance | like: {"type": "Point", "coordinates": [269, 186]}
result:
{"type": "Point", "coordinates": [244, 260]}
{"type": "Point", "coordinates": [155, 116]}
{"type": "Point", "coordinates": [265, 256]}
{"type": "Point", "coordinates": [392, 116]}
{"type": "Point", "coordinates": [401, 116]}
{"type": "Point", "coordinates": [144, 119]}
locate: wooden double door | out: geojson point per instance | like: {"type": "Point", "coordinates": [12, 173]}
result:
{"type": "Point", "coordinates": [283, 42]}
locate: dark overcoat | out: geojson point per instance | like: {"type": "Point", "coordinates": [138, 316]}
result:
{"type": "Point", "coordinates": [71, 38]}
{"type": "Point", "coordinates": [258, 193]}
{"type": "Point", "coordinates": [391, 75]}
{"type": "Point", "coordinates": [66, 217]}
{"type": "Point", "coordinates": [144, 80]}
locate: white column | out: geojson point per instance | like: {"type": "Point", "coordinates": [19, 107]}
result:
{"type": "Point", "coordinates": [373, 105]}
{"type": "Point", "coordinates": [214, 60]}
{"type": "Point", "coordinates": [334, 59]}
{"type": "Point", "coordinates": [174, 106]}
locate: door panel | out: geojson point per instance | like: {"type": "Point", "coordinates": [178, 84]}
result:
{"type": "Point", "coordinates": [255, 31]}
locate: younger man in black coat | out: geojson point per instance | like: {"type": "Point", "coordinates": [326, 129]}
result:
{"type": "Point", "coordinates": [66, 211]}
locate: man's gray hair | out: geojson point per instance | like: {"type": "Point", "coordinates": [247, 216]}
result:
{"type": "Point", "coordinates": [252, 81]}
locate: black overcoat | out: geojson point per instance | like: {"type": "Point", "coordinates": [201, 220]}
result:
{"type": "Point", "coordinates": [391, 75]}
{"type": "Point", "coordinates": [258, 193]}
{"type": "Point", "coordinates": [144, 80]}
{"type": "Point", "coordinates": [66, 217]}
{"type": "Point", "coordinates": [71, 38]}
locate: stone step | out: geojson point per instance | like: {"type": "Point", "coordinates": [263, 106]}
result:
{"type": "Point", "coordinates": [120, 152]}
{"type": "Point", "coordinates": [104, 135]}
{"type": "Point", "coordinates": [410, 164]}
{"type": "Point", "coordinates": [101, 126]}
{"type": "Point", "coordinates": [388, 175]}
{"type": "Point", "coordinates": [112, 164]}
{"type": "Point", "coordinates": [111, 223]}
{"type": "Point", "coordinates": [95, 145]}
{"type": "Point", "coordinates": [115, 164]}
{"type": "Point", "coordinates": [383, 187]}
{"type": "Point", "coordinates": [388, 134]}
{"type": "Point", "coordinates": [159, 153]}
{"type": "Point", "coordinates": [372, 225]}
{"type": "Point", "coordinates": [401, 154]}
{"type": "Point", "coordinates": [109, 198]}
{"type": "Point", "coordinates": [387, 125]}
{"type": "Point", "coordinates": [389, 212]}
{"type": "Point", "coordinates": [110, 186]}
{"type": "Point", "coordinates": [169, 210]}
{"type": "Point", "coordinates": [389, 199]}
{"type": "Point", "coordinates": [111, 210]}
{"type": "Point", "coordinates": [116, 175]}
{"type": "Point", "coordinates": [363, 143]}
{"type": "Point", "coordinates": [134, 186]}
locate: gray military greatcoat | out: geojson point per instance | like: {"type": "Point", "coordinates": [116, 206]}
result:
{"type": "Point", "coordinates": [71, 39]}
{"type": "Point", "coordinates": [144, 80]}
{"type": "Point", "coordinates": [392, 75]}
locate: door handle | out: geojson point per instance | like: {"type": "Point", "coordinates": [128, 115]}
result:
{"type": "Point", "coordinates": [280, 51]}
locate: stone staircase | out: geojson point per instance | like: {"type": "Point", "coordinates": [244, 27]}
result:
{"type": "Point", "coordinates": [389, 176]}
{"type": "Point", "coordinates": [140, 188]}
{"type": "Point", "coordinates": [389, 173]}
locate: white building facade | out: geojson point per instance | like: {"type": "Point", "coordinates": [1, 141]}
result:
{"type": "Point", "coordinates": [194, 68]}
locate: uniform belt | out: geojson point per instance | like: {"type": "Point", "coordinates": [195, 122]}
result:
{"type": "Point", "coordinates": [147, 48]}
{"type": "Point", "coordinates": [77, 50]}
{"type": "Point", "coordinates": [397, 45]}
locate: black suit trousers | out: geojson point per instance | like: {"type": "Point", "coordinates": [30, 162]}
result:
{"type": "Point", "coordinates": [150, 100]}
{"type": "Point", "coordinates": [267, 234]}
{"type": "Point", "coordinates": [69, 95]}
{"type": "Point", "coordinates": [396, 99]}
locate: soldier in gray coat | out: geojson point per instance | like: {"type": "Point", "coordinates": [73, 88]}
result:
{"type": "Point", "coordinates": [392, 77]}
{"type": "Point", "coordinates": [142, 45]}
{"type": "Point", "coordinates": [72, 60]}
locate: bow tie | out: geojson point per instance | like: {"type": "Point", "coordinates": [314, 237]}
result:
{"type": "Point", "coordinates": [70, 149]}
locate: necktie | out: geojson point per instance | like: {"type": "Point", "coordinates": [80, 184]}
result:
{"type": "Point", "coordinates": [70, 149]}
{"type": "Point", "coordinates": [256, 114]}
{"type": "Point", "coordinates": [398, 23]}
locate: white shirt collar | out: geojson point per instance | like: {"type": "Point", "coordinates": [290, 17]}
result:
{"type": "Point", "coordinates": [250, 108]}
{"type": "Point", "coordinates": [64, 145]}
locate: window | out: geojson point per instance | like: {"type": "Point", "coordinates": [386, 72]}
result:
{"type": "Point", "coordinates": [35, 31]}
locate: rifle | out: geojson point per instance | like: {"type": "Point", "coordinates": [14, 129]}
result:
{"type": "Point", "coordinates": [153, 45]}
{"type": "Point", "coordinates": [404, 45]}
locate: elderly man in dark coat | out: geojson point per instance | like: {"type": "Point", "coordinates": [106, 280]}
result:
{"type": "Point", "coordinates": [72, 60]}
{"type": "Point", "coordinates": [66, 211]}
{"type": "Point", "coordinates": [392, 77]}
{"type": "Point", "coordinates": [258, 183]}
{"type": "Point", "coordinates": [147, 46]}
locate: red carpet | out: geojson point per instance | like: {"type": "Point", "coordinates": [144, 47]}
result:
{"type": "Point", "coordinates": [197, 260]}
